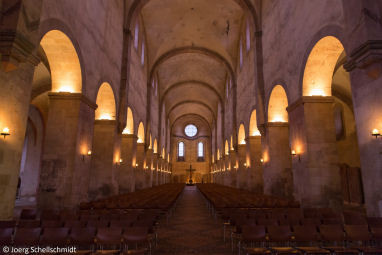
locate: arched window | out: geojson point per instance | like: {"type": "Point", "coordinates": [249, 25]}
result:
{"type": "Point", "coordinates": [200, 151]}
{"type": "Point", "coordinates": [181, 151]}
{"type": "Point", "coordinates": [136, 35]}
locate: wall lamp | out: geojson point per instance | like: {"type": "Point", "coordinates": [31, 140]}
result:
{"type": "Point", "coordinates": [87, 154]}
{"type": "Point", "coordinates": [293, 153]}
{"type": "Point", "coordinates": [261, 160]}
{"type": "Point", "coordinates": [5, 132]}
{"type": "Point", "coordinates": [376, 133]}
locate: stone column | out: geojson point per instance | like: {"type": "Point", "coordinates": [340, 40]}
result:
{"type": "Point", "coordinates": [103, 164]}
{"type": "Point", "coordinates": [18, 59]}
{"type": "Point", "coordinates": [241, 168]}
{"type": "Point", "coordinates": [149, 165]}
{"type": "Point", "coordinates": [155, 168]}
{"type": "Point", "coordinates": [256, 179]}
{"type": "Point", "coordinates": [65, 174]}
{"type": "Point", "coordinates": [365, 67]}
{"type": "Point", "coordinates": [317, 181]}
{"type": "Point", "coordinates": [139, 170]}
{"type": "Point", "coordinates": [126, 178]}
{"type": "Point", "coordinates": [278, 178]}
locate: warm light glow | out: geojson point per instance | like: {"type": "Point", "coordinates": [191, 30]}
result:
{"type": "Point", "coordinates": [245, 164]}
{"type": "Point", "coordinates": [278, 102]}
{"type": "Point", "coordinates": [89, 153]}
{"type": "Point", "coordinates": [226, 148]}
{"type": "Point", "coordinates": [241, 135]}
{"type": "Point", "coordinates": [253, 130]}
{"type": "Point", "coordinates": [136, 165]}
{"type": "Point", "coordinates": [63, 62]}
{"type": "Point", "coordinates": [120, 160]}
{"type": "Point", "coordinates": [106, 103]}
{"type": "Point", "coordinates": [105, 116]}
{"type": "Point", "coordinates": [374, 132]}
{"type": "Point", "coordinates": [155, 146]}
{"type": "Point", "coordinates": [317, 92]}
{"type": "Point", "coordinates": [6, 131]}
{"type": "Point", "coordinates": [293, 152]}
{"type": "Point", "coordinates": [319, 68]}
{"type": "Point", "coordinates": [65, 89]}
{"type": "Point", "coordinates": [262, 160]}
{"type": "Point", "coordinates": [141, 133]}
{"type": "Point", "coordinates": [129, 129]}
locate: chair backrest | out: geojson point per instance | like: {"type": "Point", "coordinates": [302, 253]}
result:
{"type": "Point", "coordinates": [352, 218]}
{"type": "Point", "coordinates": [28, 214]}
{"type": "Point", "coordinates": [311, 221]}
{"type": "Point", "coordinates": [121, 223]}
{"type": "Point", "coordinates": [135, 234]}
{"type": "Point", "coordinates": [98, 223]}
{"type": "Point", "coordinates": [332, 233]}
{"type": "Point", "coordinates": [279, 233]}
{"type": "Point", "coordinates": [29, 224]}
{"type": "Point", "coordinates": [82, 236]}
{"type": "Point", "coordinates": [75, 224]}
{"type": "Point", "coordinates": [7, 224]}
{"type": "Point", "coordinates": [305, 233]}
{"type": "Point", "coordinates": [6, 236]}
{"type": "Point", "coordinates": [51, 224]}
{"type": "Point", "coordinates": [253, 233]}
{"type": "Point", "coordinates": [54, 236]}
{"type": "Point", "coordinates": [27, 236]}
{"type": "Point", "coordinates": [109, 236]}
{"type": "Point", "coordinates": [374, 221]}
{"type": "Point", "coordinates": [357, 233]}
{"type": "Point", "coordinates": [267, 222]}
{"type": "Point", "coordinates": [331, 221]}
{"type": "Point", "coordinates": [50, 215]}
{"type": "Point", "coordinates": [377, 233]}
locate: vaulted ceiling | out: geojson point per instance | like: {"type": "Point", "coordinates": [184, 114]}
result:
{"type": "Point", "coordinates": [192, 50]}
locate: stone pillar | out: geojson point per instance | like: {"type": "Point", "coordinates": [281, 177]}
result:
{"type": "Point", "coordinates": [139, 170]}
{"type": "Point", "coordinates": [149, 165]}
{"type": "Point", "coordinates": [365, 67]}
{"type": "Point", "coordinates": [126, 178]}
{"type": "Point", "coordinates": [18, 59]}
{"type": "Point", "coordinates": [155, 169]}
{"type": "Point", "coordinates": [241, 168]}
{"type": "Point", "coordinates": [65, 176]}
{"type": "Point", "coordinates": [255, 179]}
{"type": "Point", "coordinates": [278, 178]}
{"type": "Point", "coordinates": [103, 164]}
{"type": "Point", "coordinates": [317, 181]}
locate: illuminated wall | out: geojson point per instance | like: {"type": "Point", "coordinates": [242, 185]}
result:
{"type": "Point", "coordinates": [320, 66]}
{"type": "Point", "coordinates": [106, 103]}
{"type": "Point", "coordinates": [253, 130]}
{"type": "Point", "coordinates": [63, 61]}
{"type": "Point", "coordinates": [278, 103]}
{"type": "Point", "coordinates": [141, 133]}
{"type": "Point", "coordinates": [129, 129]}
{"type": "Point", "coordinates": [241, 135]}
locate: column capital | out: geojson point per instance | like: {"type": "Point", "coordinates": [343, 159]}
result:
{"type": "Point", "coordinates": [364, 55]}
{"type": "Point", "coordinates": [277, 124]}
{"type": "Point", "coordinates": [72, 96]}
{"type": "Point", "coordinates": [310, 99]}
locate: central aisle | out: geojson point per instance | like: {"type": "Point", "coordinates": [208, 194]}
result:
{"type": "Point", "coordinates": [191, 230]}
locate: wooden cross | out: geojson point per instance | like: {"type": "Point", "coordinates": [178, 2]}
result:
{"type": "Point", "coordinates": [190, 170]}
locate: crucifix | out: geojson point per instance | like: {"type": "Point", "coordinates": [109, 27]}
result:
{"type": "Point", "coordinates": [190, 170]}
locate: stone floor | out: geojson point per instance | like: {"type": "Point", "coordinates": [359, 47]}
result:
{"type": "Point", "coordinates": [191, 229]}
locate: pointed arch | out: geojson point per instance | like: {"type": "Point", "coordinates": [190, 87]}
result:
{"type": "Point", "coordinates": [105, 101]}
{"type": "Point", "coordinates": [231, 142]}
{"type": "Point", "coordinates": [226, 147]}
{"type": "Point", "coordinates": [151, 142]}
{"type": "Point", "coordinates": [241, 134]}
{"type": "Point", "coordinates": [218, 155]}
{"type": "Point", "coordinates": [319, 67]}
{"type": "Point", "coordinates": [253, 130]}
{"type": "Point", "coordinates": [63, 62]}
{"type": "Point", "coordinates": [278, 102]}
{"type": "Point", "coordinates": [141, 133]}
{"type": "Point", "coordinates": [129, 129]}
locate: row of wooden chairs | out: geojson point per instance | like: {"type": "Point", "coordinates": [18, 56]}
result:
{"type": "Point", "coordinates": [228, 197]}
{"type": "Point", "coordinates": [87, 240]}
{"type": "Point", "coordinates": [307, 239]}
{"type": "Point", "coordinates": [158, 197]}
